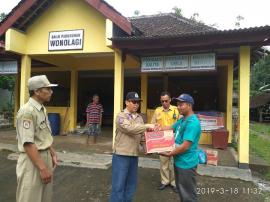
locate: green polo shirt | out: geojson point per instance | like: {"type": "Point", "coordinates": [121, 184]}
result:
{"type": "Point", "coordinates": [187, 129]}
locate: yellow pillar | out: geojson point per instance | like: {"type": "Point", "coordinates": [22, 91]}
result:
{"type": "Point", "coordinates": [144, 87]}
{"type": "Point", "coordinates": [25, 75]}
{"type": "Point", "coordinates": [243, 105]}
{"type": "Point", "coordinates": [229, 99]}
{"type": "Point", "coordinates": [73, 99]}
{"type": "Point", "coordinates": [16, 98]}
{"type": "Point", "coordinates": [118, 86]}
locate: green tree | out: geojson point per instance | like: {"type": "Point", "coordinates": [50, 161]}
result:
{"type": "Point", "coordinates": [260, 75]}
{"type": "Point", "coordinates": [136, 13]}
{"type": "Point", "coordinates": [8, 83]}
{"type": "Point", "coordinates": [195, 17]}
{"type": "Point", "coordinates": [177, 11]}
{"type": "Point", "coordinates": [239, 18]}
{"type": "Point", "coordinates": [2, 16]}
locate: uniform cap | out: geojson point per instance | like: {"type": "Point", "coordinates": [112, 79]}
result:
{"type": "Point", "coordinates": [133, 96]}
{"type": "Point", "coordinates": [40, 81]}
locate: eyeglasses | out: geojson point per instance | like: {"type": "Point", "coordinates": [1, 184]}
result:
{"type": "Point", "coordinates": [134, 102]}
{"type": "Point", "coordinates": [162, 101]}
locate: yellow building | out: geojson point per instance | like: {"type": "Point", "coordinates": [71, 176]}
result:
{"type": "Point", "coordinates": [87, 47]}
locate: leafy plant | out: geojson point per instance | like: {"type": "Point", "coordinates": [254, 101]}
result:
{"type": "Point", "coordinates": [177, 11]}
{"type": "Point", "coordinates": [260, 75]}
{"type": "Point", "coordinates": [2, 16]}
{"type": "Point", "coordinates": [8, 83]}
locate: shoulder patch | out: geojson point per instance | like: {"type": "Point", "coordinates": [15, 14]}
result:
{"type": "Point", "coordinates": [26, 124]}
{"type": "Point", "coordinates": [120, 120]}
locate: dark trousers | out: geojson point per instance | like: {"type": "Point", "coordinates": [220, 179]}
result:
{"type": "Point", "coordinates": [185, 180]}
{"type": "Point", "coordinates": [124, 178]}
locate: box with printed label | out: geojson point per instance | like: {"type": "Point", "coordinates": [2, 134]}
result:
{"type": "Point", "coordinates": [160, 141]}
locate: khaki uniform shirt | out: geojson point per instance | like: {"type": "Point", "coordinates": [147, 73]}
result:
{"type": "Point", "coordinates": [165, 118]}
{"type": "Point", "coordinates": [129, 134]}
{"type": "Point", "coordinates": [33, 126]}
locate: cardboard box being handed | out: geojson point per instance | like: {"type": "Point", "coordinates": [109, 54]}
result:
{"type": "Point", "coordinates": [212, 157]}
{"type": "Point", "coordinates": [160, 141]}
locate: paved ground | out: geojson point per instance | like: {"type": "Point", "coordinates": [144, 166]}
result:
{"type": "Point", "coordinates": [84, 184]}
{"type": "Point", "coordinates": [77, 144]}
{"type": "Point", "coordinates": [71, 143]}
{"type": "Point", "coordinates": [74, 183]}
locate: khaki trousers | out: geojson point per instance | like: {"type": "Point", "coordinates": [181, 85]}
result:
{"type": "Point", "coordinates": [166, 171]}
{"type": "Point", "coordinates": [30, 187]}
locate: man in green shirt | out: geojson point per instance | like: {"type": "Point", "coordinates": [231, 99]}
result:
{"type": "Point", "coordinates": [187, 135]}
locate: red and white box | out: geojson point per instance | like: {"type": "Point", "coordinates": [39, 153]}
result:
{"type": "Point", "coordinates": [212, 157]}
{"type": "Point", "coordinates": [160, 141]}
{"type": "Point", "coordinates": [209, 123]}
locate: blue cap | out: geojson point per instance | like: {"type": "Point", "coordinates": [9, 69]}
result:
{"type": "Point", "coordinates": [185, 98]}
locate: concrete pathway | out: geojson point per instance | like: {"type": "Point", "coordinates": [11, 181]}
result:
{"type": "Point", "coordinates": [103, 161]}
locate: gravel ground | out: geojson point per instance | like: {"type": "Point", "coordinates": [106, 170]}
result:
{"type": "Point", "coordinates": [81, 184]}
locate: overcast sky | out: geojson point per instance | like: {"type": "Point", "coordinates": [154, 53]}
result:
{"type": "Point", "coordinates": [223, 13]}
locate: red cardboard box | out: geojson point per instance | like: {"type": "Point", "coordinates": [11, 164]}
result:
{"type": "Point", "coordinates": [160, 141]}
{"type": "Point", "coordinates": [212, 157]}
{"type": "Point", "coordinates": [209, 123]}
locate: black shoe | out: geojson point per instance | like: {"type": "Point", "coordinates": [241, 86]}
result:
{"type": "Point", "coordinates": [162, 186]}
{"type": "Point", "coordinates": [174, 189]}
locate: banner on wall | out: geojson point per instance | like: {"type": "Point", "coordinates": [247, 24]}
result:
{"type": "Point", "coordinates": [66, 40]}
{"type": "Point", "coordinates": [152, 64]}
{"type": "Point", "coordinates": [195, 62]}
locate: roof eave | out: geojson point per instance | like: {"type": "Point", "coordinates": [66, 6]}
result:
{"type": "Point", "coordinates": [260, 37]}
{"type": "Point", "coordinates": [114, 16]}
{"type": "Point", "coordinates": [100, 5]}
{"type": "Point", "coordinates": [20, 10]}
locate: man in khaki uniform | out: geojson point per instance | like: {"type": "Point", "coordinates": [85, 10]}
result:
{"type": "Point", "coordinates": [129, 135]}
{"type": "Point", "coordinates": [166, 115]}
{"type": "Point", "coordinates": [37, 158]}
